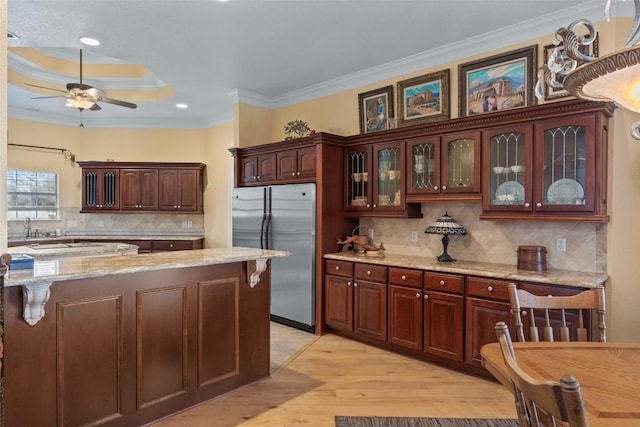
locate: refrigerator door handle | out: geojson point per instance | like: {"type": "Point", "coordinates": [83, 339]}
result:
{"type": "Point", "coordinates": [262, 231]}
{"type": "Point", "coordinates": [268, 232]}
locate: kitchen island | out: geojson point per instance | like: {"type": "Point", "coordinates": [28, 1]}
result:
{"type": "Point", "coordinates": [126, 340]}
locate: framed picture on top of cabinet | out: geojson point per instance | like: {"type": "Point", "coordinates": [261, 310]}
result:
{"type": "Point", "coordinates": [376, 109]}
{"type": "Point", "coordinates": [424, 99]}
{"type": "Point", "coordinates": [551, 92]}
{"type": "Point", "coordinates": [500, 82]}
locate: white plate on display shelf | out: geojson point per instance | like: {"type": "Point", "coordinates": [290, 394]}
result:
{"type": "Point", "coordinates": [565, 191]}
{"type": "Point", "coordinates": [510, 191]}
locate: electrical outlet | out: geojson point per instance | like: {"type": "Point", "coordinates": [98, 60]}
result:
{"type": "Point", "coordinates": [561, 244]}
{"type": "Point", "coordinates": [371, 236]}
{"type": "Point", "coordinates": [414, 236]}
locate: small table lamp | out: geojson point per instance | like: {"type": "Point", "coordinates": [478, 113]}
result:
{"type": "Point", "coordinates": [445, 225]}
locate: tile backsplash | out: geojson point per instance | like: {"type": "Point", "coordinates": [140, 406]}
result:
{"type": "Point", "coordinates": [492, 241]}
{"type": "Point", "coordinates": [72, 223]}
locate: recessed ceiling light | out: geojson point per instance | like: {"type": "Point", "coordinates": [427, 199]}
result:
{"type": "Point", "coordinates": [89, 41]}
{"type": "Point", "coordinates": [182, 105]}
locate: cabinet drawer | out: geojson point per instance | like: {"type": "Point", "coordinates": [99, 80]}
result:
{"type": "Point", "coordinates": [405, 277]}
{"type": "Point", "coordinates": [376, 273]}
{"type": "Point", "coordinates": [339, 268]}
{"type": "Point", "coordinates": [171, 245]}
{"type": "Point", "coordinates": [444, 282]}
{"type": "Point", "coordinates": [488, 288]}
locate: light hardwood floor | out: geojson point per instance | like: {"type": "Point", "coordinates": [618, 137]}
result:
{"type": "Point", "coordinates": [335, 376]}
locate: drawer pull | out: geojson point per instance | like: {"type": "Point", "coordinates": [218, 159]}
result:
{"type": "Point", "coordinates": [404, 277]}
{"type": "Point", "coordinates": [426, 296]}
{"type": "Point", "coordinates": [490, 288]}
{"type": "Point", "coordinates": [368, 272]}
{"type": "Point", "coordinates": [348, 283]}
{"type": "Point", "coordinates": [337, 267]}
{"type": "Point", "coordinates": [355, 284]}
{"type": "Point", "coordinates": [418, 295]}
{"type": "Point", "coordinates": [441, 282]}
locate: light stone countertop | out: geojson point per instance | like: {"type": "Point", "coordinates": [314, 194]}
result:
{"type": "Point", "coordinates": [105, 237]}
{"type": "Point", "coordinates": [472, 268]}
{"type": "Point", "coordinates": [86, 267]}
{"type": "Point", "coordinates": [60, 250]}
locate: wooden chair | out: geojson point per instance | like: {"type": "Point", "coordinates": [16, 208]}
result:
{"type": "Point", "coordinates": [524, 303]}
{"type": "Point", "coordinates": [542, 403]}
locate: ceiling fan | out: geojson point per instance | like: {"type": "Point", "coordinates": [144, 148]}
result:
{"type": "Point", "coordinates": [83, 96]}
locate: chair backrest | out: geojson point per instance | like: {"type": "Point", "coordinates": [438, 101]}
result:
{"type": "Point", "coordinates": [524, 303]}
{"type": "Point", "coordinates": [541, 403]}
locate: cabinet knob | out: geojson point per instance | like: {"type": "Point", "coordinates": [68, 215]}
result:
{"type": "Point", "coordinates": [337, 267]}
{"type": "Point", "coordinates": [435, 187]}
{"type": "Point", "coordinates": [368, 272]}
{"type": "Point", "coordinates": [490, 288]}
{"type": "Point", "coordinates": [524, 312]}
{"type": "Point", "coordinates": [293, 174]}
{"type": "Point", "coordinates": [441, 282]}
{"type": "Point", "coordinates": [355, 284]}
{"type": "Point", "coordinates": [539, 204]}
{"type": "Point", "coordinates": [255, 177]}
{"type": "Point", "coordinates": [404, 277]}
{"type": "Point", "coordinates": [375, 206]}
{"type": "Point", "coordinates": [297, 173]}
{"type": "Point", "coordinates": [171, 245]}
{"type": "Point", "coordinates": [258, 177]}
{"type": "Point", "coordinates": [368, 205]}
{"type": "Point", "coordinates": [348, 283]}
{"type": "Point", "coordinates": [426, 296]}
{"type": "Point", "coordinates": [418, 295]}
{"type": "Point", "coordinates": [526, 205]}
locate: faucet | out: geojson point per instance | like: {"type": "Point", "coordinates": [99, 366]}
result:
{"type": "Point", "coordinates": [27, 226]}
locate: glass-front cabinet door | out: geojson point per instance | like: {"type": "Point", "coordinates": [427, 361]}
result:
{"type": "Point", "coordinates": [388, 192]}
{"type": "Point", "coordinates": [565, 163]}
{"type": "Point", "coordinates": [359, 179]}
{"type": "Point", "coordinates": [508, 163]}
{"type": "Point", "coordinates": [423, 165]}
{"type": "Point", "coordinates": [461, 163]}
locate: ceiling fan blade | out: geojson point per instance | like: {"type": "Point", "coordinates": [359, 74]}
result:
{"type": "Point", "coordinates": [44, 87]}
{"type": "Point", "coordinates": [80, 86]}
{"type": "Point", "coordinates": [45, 97]}
{"type": "Point", "coordinates": [95, 107]}
{"type": "Point", "coordinates": [117, 102]}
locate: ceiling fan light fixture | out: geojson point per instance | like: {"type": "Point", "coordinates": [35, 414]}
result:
{"type": "Point", "coordinates": [89, 41]}
{"type": "Point", "coordinates": [80, 104]}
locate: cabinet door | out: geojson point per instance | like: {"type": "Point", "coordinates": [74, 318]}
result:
{"type": "Point", "coordinates": [249, 169]}
{"type": "Point", "coordinates": [405, 316]}
{"type": "Point", "coordinates": [481, 318]}
{"type": "Point", "coordinates": [339, 302]}
{"type": "Point", "coordinates": [443, 326]}
{"type": "Point", "coordinates": [100, 189]}
{"type": "Point", "coordinates": [286, 164]}
{"type": "Point", "coordinates": [358, 179]}
{"type": "Point", "coordinates": [267, 167]}
{"type": "Point", "coordinates": [565, 165]}
{"type": "Point", "coordinates": [306, 160]}
{"type": "Point", "coordinates": [139, 189]}
{"type": "Point", "coordinates": [460, 163]}
{"type": "Point", "coordinates": [179, 190]}
{"type": "Point", "coordinates": [370, 309]}
{"type": "Point", "coordinates": [508, 168]}
{"type": "Point", "coordinates": [423, 165]}
{"type": "Point", "coordinates": [388, 168]}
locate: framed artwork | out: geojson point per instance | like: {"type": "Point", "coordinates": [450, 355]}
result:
{"type": "Point", "coordinates": [376, 109]}
{"type": "Point", "coordinates": [551, 92]}
{"type": "Point", "coordinates": [500, 82]}
{"type": "Point", "coordinates": [424, 99]}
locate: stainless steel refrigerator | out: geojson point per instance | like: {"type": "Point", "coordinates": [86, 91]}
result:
{"type": "Point", "coordinates": [282, 217]}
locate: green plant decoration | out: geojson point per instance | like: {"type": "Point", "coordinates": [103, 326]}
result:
{"type": "Point", "coordinates": [296, 129]}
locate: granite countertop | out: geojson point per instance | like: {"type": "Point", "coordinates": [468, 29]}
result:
{"type": "Point", "coordinates": [60, 250]}
{"type": "Point", "coordinates": [105, 237]}
{"type": "Point", "coordinates": [45, 272]}
{"type": "Point", "coordinates": [482, 269]}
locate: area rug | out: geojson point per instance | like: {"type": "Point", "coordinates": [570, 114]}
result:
{"type": "Point", "coordinates": [342, 421]}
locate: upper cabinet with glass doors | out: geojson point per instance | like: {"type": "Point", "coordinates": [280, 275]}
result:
{"type": "Point", "coordinates": [551, 169]}
{"type": "Point", "coordinates": [444, 167]}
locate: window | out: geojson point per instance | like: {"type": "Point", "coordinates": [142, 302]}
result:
{"type": "Point", "coordinates": [32, 194]}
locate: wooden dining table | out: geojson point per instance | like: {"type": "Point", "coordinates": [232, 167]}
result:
{"type": "Point", "coordinates": [609, 374]}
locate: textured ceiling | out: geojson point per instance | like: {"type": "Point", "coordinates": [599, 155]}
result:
{"type": "Point", "coordinates": [268, 52]}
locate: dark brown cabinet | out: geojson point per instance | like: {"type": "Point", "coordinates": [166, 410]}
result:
{"type": "Point", "coordinates": [443, 314]}
{"type": "Point", "coordinates": [370, 301]}
{"type": "Point", "coordinates": [100, 189]}
{"type": "Point", "coordinates": [178, 190]}
{"type": "Point", "coordinates": [139, 189]}
{"type": "Point", "coordinates": [259, 169]}
{"type": "Point", "coordinates": [405, 308]}
{"type": "Point", "coordinates": [338, 287]}
{"type": "Point", "coordinates": [142, 187]}
{"type": "Point", "coordinates": [296, 165]}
